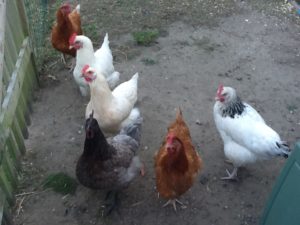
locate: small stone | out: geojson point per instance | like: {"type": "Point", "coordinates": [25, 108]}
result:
{"type": "Point", "coordinates": [198, 122]}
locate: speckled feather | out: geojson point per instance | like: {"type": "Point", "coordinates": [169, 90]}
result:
{"type": "Point", "coordinates": [118, 169]}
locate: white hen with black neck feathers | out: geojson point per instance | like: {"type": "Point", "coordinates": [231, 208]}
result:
{"type": "Point", "coordinates": [246, 136]}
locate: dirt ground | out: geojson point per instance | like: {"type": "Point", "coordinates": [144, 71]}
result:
{"type": "Point", "coordinates": [252, 46]}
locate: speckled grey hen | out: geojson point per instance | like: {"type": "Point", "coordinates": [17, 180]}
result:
{"type": "Point", "coordinates": [110, 164]}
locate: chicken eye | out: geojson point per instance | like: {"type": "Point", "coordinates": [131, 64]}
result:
{"type": "Point", "coordinates": [224, 94]}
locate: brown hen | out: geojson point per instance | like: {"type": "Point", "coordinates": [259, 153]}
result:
{"type": "Point", "coordinates": [176, 163]}
{"type": "Point", "coordinates": [67, 23]}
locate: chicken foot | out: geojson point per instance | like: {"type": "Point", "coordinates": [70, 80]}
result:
{"type": "Point", "coordinates": [70, 66]}
{"type": "Point", "coordinates": [112, 202]}
{"type": "Point", "coordinates": [232, 175]}
{"type": "Point", "coordinates": [173, 202]}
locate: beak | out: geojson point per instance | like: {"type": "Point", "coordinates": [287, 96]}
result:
{"type": "Point", "coordinates": [217, 98]}
{"type": "Point", "coordinates": [71, 47]}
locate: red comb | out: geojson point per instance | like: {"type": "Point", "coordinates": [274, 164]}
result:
{"type": "Point", "coordinates": [66, 7]}
{"type": "Point", "coordinates": [84, 69]}
{"type": "Point", "coordinates": [220, 89]}
{"type": "Point", "coordinates": [72, 38]}
{"type": "Point", "coordinates": [170, 138]}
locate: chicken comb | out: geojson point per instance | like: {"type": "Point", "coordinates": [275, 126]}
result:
{"type": "Point", "coordinates": [66, 6]}
{"type": "Point", "coordinates": [84, 69]}
{"type": "Point", "coordinates": [72, 38]}
{"type": "Point", "coordinates": [220, 89]}
{"type": "Point", "coordinates": [170, 138]}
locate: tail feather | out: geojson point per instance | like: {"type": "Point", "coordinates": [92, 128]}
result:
{"type": "Point", "coordinates": [285, 149]}
{"type": "Point", "coordinates": [78, 8]}
{"type": "Point", "coordinates": [135, 76]}
{"type": "Point", "coordinates": [134, 129]}
{"type": "Point", "coordinates": [105, 40]}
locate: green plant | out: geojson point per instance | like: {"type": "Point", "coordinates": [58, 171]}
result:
{"type": "Point", "coordinates": [145, 37]}
{"type": "Point", "coordinates": [61, 183]}
{"type": "Point", "coordinates": [292, 107]}
{"type": "Point", "coordinates": [148, 62]}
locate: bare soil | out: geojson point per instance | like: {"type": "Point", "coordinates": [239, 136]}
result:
{"type": "Point", "coordinates": [252, 46]}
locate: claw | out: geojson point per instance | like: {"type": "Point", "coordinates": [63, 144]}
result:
{"type": "Point", "coordinates": [232, 175]}
{"type": "Point", "coordinates": [173, 202]}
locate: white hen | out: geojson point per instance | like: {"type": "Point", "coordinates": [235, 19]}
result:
{"type": "Point", "coordinates": [112, 109]}
{"type": "Point", "coordinates": [101, 61]}
{"type": "Point", "coordinates": [245, 134]}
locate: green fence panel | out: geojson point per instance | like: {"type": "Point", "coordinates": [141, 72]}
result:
{"type": "Point", "coordinates": [283, 206]}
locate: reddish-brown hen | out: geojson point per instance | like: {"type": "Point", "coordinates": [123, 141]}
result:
{"type": "Point", "coordinates": [67, 23]}
{"type": "Point", "coordinates": [176, 163]}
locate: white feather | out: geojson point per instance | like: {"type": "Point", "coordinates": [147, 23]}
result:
{"type": "Point", "coordinates": [78, 8]}
{"type": "Point", "coordinates": [101, 61]}
{"type": "Point", "coordinates": [246, 137]}
{"type": "Point", "coordinates": [113, 109]}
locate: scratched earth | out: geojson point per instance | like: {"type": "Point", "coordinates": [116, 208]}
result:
{"type": "Point", "coordinates": [251, 45]}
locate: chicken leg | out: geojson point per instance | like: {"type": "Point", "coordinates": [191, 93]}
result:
{"type": "Point", "coordinates": [111, 204]}
{"type": "Point", "coordinates": [232, 175]}
{"type": "Point", "coordinates": [173, 202]}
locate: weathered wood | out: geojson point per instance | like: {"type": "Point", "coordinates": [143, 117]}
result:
{"type": "Point", "coordinates": [10, 170]}
{"type": "Point", "coordinates": [5, 216]}
{"type": "Point", "coordinates": [20, 116]}
{"type": "Point", "coordinates": [14, 22]}
{"type": "Point", "coordinates": [6, 186]}
{"type": "Point", "coordinates": [22, 14]}
{"type": "Point", "coordinates": [2, 204]}
{"type": "Point", "coordinates": [13, 149]}
{"type": "Point", "coordinates": [10, 46]}
{"type": "Point", "coordinates": [5, 80]}
{"type": "Point", "coordinates": [18, 136]}
{"type": "Point", "coordinates": [14, 89]}
{"type": "Point", "coordinates": [2, 38]}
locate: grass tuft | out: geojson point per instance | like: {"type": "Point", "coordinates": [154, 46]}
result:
{"type": "Point", "coordinates": [61, 183]}
{"type": "Point", "coordinates": [146, 37]}
{"type": "Point", "coordinates": [148, 62]}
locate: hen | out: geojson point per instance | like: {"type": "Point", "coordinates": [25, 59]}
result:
{"type": "Point", "coordinates": [101, 60]}
{"type": "Point", "coordinates": [113, 109]}
{"type": "Point", "coordinates": [176, 163]}
{"type": "Point", "coordinates": [246, 136]}
{"type": "Point", "coordinates": [67, 22]}
{"type": "Point", "coordinates": [110, 164]}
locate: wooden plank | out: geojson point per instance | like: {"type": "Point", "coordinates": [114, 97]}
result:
{"type": "Point", "coordinates": [20, 111]}
{"type": "Point", "coordinates": [10, 46]}
{"type": "Point", "coordinates": [14, 22]}
{"type": "Point", "coordinates": [22, 14]}
{"type": "Point", "coordinates": [15, 86]}
{"type": "Point", "coordinates": [10, 170]}
{"type": "Point", "coordinates": [5, 212]}
{"type": "Point", "coordinates": [18, 136]}
{"type": "Point", "coordinates": [13, 149]}
{"type": "Point", "coordinates": [27, 95]}
{"type": "Point", "coordinates": [5, 80]}
{"type": "Point", "coordinates": [2, 204]}
{"type": "Point", "coordinates": [6, 187]}
{"type": "Point", "coordinates": [2, 44]}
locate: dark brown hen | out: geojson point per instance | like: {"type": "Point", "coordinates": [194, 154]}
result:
{"type": "Point", "coordinates": [109, 164]}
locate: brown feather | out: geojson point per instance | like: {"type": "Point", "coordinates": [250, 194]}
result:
{"type": "Point", "coordinates": [175, 176]}
{"type": "Point", "coordinates": [65, 26]}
